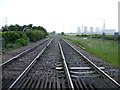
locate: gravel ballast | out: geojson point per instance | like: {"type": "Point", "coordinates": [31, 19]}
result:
{"type": "Point", "coordinates": [44, 72]}
{"type": "Point", "coordinates": [46, 64]}
{"type": "Point", "coordinates": [7, 55]}
{"type": "Point", "coordinates": [17, 66]}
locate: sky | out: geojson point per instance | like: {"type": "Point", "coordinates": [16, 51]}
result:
{"type": "Point", "coordinates": [60, 15]}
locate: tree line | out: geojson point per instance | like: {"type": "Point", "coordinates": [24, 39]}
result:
{"type": "Point", "coordinates": [17, 27]}
{"type": "Point", "coordinates": [15, 36]}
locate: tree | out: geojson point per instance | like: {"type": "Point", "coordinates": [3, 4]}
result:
{"type": "Point", "coordinates": [53, 32]}
{"type": "Point", "coordinates": [41, 29]}
{"type": "Point", "coordinates": [4, 28]}
{"type": "Point", "coordinates": [24, 26]}
{"type": "Point", "coordinates": [62, 33]}
{"type": "Point", "coordinates": [11, 28]}
{"type": "Point", "coordinates": [34, 28]}
{"type": "Point", "coordinates": [17, 27]}
{"type": "Point", "coordinates": [30, 26]}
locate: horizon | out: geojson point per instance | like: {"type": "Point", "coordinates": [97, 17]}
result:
{"type": "Point", "coordinates": [62, 15]}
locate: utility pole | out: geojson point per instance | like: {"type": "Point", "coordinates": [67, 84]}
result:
{"type": "Point", "coordinates": [104, 24]}
{"type": "Point", "coordinates": [82, 29]}
{"type": "Point", "coordinates": [63, 27]}
{"type": "Point", "coordinates": [6, 24]}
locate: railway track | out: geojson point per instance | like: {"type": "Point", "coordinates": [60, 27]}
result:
{"type": "Point", "coordinates": [14, 66]}
{"type": "Point", "coordinates": [60, 66]}
{"type": "Point", "coordinates": [22, 53]}
{"type": "Point", "coordinates": [10, 55]}
{"type": "Point", "coordinates": [85, 71]}
{"type": "Point", "coordinates": [42, 73]}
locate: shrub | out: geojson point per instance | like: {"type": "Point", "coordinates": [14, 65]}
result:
{"type": "Point", "coordinates": [21, 42]}
{"type": "Point", "coordinates": [96, 36]}
{"type": "Point", "coordinates": [10, 37]}
{"type": "Point", "coordinates": [84, 35]}
{"type": "Point", "coordinates": [62, 33]}
{"type": "Point", "coordinates": [77, 35]}
{"type": "Point", "coordinates": [14, 39]}
{"type": "Point", "coordinates": [35, 35]}
{"type": "Point", "coordinates": [10, 45]}
{"type": "Point", "coordinates": [109, 37]}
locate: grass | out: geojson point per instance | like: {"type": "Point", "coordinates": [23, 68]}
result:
{"type": "Point", "coordinates": [107, 50]}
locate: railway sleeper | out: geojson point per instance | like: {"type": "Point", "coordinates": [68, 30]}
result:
{"type": "Point", "coordinates": [78, 68]}
{"type": "Point", "coordinates": [49, 83]}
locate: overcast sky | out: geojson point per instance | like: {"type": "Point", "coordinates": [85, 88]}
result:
{"type": "Point", "coordinates": [60, 15]}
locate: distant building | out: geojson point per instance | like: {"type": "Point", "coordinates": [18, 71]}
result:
{"type": "Point", "coordinates": [79, 30]}
{"type": "Point", "coordinates": [82, 29]}
{"type": "Point", "coordinates": [85, 30]}
{"type": "Point", "coordinates": [108, 31]}
{"type": "Point", "coordinates": [97, 30]}
{"type": "Point", "coordinates": [91, 30]}
{"type": "Point", "coordinates": [104, 25]}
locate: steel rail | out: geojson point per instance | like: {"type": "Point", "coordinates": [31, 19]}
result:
{"type": "Point", "coordinates": [95, 67]}
{"type": "Point", "coordinates": [66, 68]}
{"type": "Point", "coordinates": [20, 54]}
{"type": "Point", "coordinates": [29, 66]}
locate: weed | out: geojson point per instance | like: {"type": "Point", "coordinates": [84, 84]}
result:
{"type": "Point", "coordinates": [67, 61]}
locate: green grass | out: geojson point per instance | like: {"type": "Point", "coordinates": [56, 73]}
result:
{"type": "Point", "coordinates": [107, 50]}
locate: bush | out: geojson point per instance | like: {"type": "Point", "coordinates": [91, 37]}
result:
{"type": "Point", "coordinates": [10, 45]}
{"type": "Point", "coordinates": [14, 39]}
{"type": "Point", "coordinates": [110, 37]}
{"type": "Point", "coordinates": [35, 35]}
{"type": "Point", "coordinates": [21, 42]}
{"type": "Point", "coordinates": [77, 35]}
{"type": "Point", "coordinates": [10, 38]}
{"type": "Point", "coordinates": [84, 35]}
{"type": "Point", "coordinates": [96, 36]}
{"type": "Point", "coordinates": [62, 33]}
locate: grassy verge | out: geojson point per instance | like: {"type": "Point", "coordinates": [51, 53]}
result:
{"type": "Point", "coordinates": [104, 49]}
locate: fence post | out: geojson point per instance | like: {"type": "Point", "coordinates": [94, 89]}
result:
{"type": "Point", "coordinates": [103, 35]}
{"type": "Point", "coordinates": [2, 42]}
{"type": "Point", "coordinates": [115, 36]}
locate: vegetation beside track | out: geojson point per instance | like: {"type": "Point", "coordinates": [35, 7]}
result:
{"type": "Point", "coordinates": [99, 36]}
{"type": "Point", "coordinates": [15, 36]}
{"type": "Point", "coordinates": [15, 39]}
{"type": "Point", "coordinates": [104, 49]}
